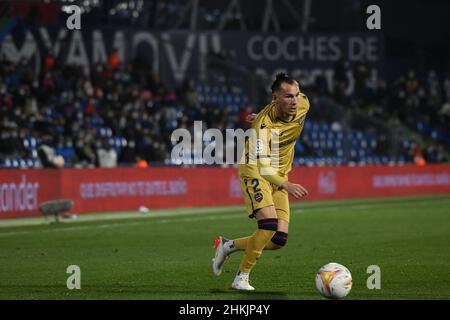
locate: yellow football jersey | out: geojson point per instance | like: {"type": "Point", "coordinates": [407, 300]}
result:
{"type": "Point", "coordinates": [271, 152]}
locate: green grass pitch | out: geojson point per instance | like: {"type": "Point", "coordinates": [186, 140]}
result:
{"type": "Point", "coordinates": [166, 254]}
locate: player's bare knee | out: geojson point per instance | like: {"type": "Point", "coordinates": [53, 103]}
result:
{"type": "Point", "coordinates": [279, 239]}
{"type": "Point", "coordinates": [268, 212]}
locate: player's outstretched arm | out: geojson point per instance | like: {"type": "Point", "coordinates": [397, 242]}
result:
{"type": "Point", "coordinates": [295, 190]}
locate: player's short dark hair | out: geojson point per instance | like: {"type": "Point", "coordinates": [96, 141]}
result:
{"type": "Point", "coordinates": [281, 78]}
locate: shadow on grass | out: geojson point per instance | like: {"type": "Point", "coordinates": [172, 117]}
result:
{"type": "Point", "coordinates": [132, 292]}
{"type": "Point", "coordinates": [265, 295]}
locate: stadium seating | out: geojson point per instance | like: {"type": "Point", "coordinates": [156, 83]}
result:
{"type": "Point", "coordinates": [327, 140]}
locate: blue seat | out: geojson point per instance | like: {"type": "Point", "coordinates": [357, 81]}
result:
{"type": "Point", "coordinates": [30, 163]}
{"type": "Point", "coordinates": [364, 144]}
{"type": "Point", "coordinates": [315, 126]}
{"type": "Point", "coordinates": [308, 125]}
{"type": "Point", "coordinates": [15, 163]}
{"type": "Point", "coordinates": [7, 163]}
{"type": "Point", "coordinates": [373, 143]}
{"type": "Point", "coordinates": [324, 126]}
{"type": "Point", "coordinates": [66, 152]}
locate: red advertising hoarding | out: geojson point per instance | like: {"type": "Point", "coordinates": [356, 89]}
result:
{"type": "Point", "coordinates": [99, 190]}
{"type": "Point", "coordinates": [21, 191]}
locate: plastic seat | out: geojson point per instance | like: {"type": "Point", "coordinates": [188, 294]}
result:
{"type": "Point", "coordinates": [30, 163]}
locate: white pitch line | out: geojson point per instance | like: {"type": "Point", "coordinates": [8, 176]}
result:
{"type": "Point", "coordinates": [86, 217]}
{"type": "Point", "coordinates": [116, 225]}
{"type": "Point", "coordinates": [175, 214]}
{"type": "Point", "coordinates": [126, 215]}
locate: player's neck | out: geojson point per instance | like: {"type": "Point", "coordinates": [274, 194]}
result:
{"type": "Point", "coordinates": [282, 115]}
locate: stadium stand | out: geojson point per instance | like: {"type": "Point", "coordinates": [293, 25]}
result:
{"type": "Point", "coordinates": [118, 113]}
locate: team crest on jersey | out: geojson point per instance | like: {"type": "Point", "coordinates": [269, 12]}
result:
{"type": "Point", "coordinates": [301, 120]}
{"type": "Point", "coordinates": [259, 196]}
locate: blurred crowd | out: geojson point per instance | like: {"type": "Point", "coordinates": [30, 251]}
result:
{"type": "Point", "coordinates": [421, 104]}
{"type": "Point", "coordinates": [122, 114]}
{"type": "Point", "coordinates": [406, 97]}
{"type": "Point", "coordinates": [83, 115]}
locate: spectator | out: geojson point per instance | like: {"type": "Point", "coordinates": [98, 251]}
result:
{"type": "Point", "coordinates": [130, 103]}
{"type": "Point", "coordinates": [445, 110]}
{"type": "Point", "coordinates": [106, 155]}
{"type": "Point", "coordinates": [114, 60]}
{"type": "Point", "coordinates": [141, 162]}
{"type": "Point", "coordinates": [47, 154]}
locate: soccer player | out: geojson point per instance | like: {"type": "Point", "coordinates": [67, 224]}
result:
{"type": "Point", "coordinates": [264, 182]}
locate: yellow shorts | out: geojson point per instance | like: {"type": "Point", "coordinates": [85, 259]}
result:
{"type": "Point", "coordinates": [259, 193]}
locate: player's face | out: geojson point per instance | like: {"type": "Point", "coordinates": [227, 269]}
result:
{"type": "Point", "coordinates": [286, 98]}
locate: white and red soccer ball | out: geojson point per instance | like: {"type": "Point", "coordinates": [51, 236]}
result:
{"type": "Point", "coordinates": [334, 281]}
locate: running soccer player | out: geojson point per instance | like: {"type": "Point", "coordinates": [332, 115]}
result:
{"type": "Point", "coordinates": [264, 182]}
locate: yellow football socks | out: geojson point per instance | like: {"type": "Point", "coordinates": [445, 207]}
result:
{"type": "Point", "coordinates": [255, 246]}
{"type": "Point", "coordinates": [256, 243]}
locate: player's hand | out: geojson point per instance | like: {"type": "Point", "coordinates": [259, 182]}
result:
{"type": "Point", "coordinates": [295, 190]}
{"type": "Point", "coordinates": [251, 117]}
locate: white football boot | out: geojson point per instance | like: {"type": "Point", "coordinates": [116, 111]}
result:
{"type": "Point", "coordinates": [241, 282]}
{"type": "Point", "coordinates": [223, 248]}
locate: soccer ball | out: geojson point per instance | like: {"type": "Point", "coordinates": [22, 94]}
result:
{"type": "Point", "coordinates": [334, 281]}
